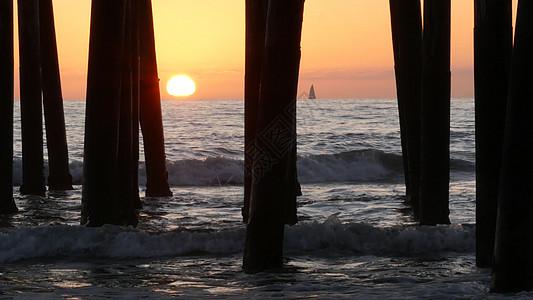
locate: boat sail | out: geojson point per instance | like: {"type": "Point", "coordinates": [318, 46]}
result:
{"type": "Point", "coordinates": [312, 92]}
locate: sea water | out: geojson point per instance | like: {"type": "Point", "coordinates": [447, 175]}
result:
{"type": "Point", "coordinates": [356, 237]}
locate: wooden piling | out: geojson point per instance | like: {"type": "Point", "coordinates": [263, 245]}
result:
{"type": "Point", "coordinates": [256, 13]}
{"type": "Point", "coordinates": [406, 24]}
{"type": "Point", "coordinates": [135, 100]}
{"type": "Point", "coordinates": [435, 114]}
{"type": "Point", "coordinates": [125, 150]}
{"type": "Point", "coordinates": [128, 191]}
{"type": "Point", "coordinates": [56, 137]}
{"type": "Point", "coordinates": [273, 199]}
{"type": "Point", "coordinates": [7, 203]}
{"type": "Point", "coordinates": [513, 264]}
{"type": "Point", "coordinates": [150, 104]}
{"type": "Point", "coordinates": [493, 42]}
{"type": "Point", "coordinates": [30, 99]}
{"type": "Point", "coordinates": [100, 204]}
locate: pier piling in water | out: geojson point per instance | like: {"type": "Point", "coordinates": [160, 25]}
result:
{"type": "Point", "coordinates": [128, 153]}
{"type": "Point", "coordinates": [7, 203]}
{"type": "Point", "coordinates": [493, 42]}
{"type": "Point", "coordinates": [30, 99]}
{"type": "Point", "coordinates": [273, 194]}
{"type": "Point", "coordinates": [406, 24]}
{"type": "Point", "coordinates": [256, 13]}
{"type": "Point", "coordinates": [100, 202]}
{"type": "Point", "coordinates": [513, 264]}
{"type": "Point", "coordinates": [150, 112]}
{"type": "Point", "coordinates": [135, 100]}
{"type": "Point", "coordinates": [59, 178]}
{"type": "Point", "coordinates": [435, 114]}
{"type": "Point", "coordinates": [123, 91]}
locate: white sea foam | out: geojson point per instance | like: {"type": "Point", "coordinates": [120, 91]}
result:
{"type": "Point", "coordinates": [110, 242]}
{"type": "Point", "coordinates": [366, 239]}
{"type": "Point", "coordinates": [330, 237]}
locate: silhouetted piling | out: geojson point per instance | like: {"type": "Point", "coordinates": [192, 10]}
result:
{"type": "Point", "coordinates": [135, 99]}
{"type": "Point", "coordinates": [56, 137]}
{"type": "Point", "coordinates": [128, 190]}
{"type": "Point", "coordinates": [150, 104]}
{"type": "Point", "coordinates": [406, 23]}
{"type": "Point", "coordinates": [100, 203]}
{"type": "Point", "coordinates": [435, 114]}
{"type": "Point", "coordinates": [7, 204]}
{"type": "Point", "coordinates": [493, 42]}
{"type": "Point", "coordinates": [30, 99]}
{"type": "Point", "coordinates": [256, 13]}
{"type": "Point", "coordinates": [273, 199]}
{"type": "Point", "coordinates": [513, 263]}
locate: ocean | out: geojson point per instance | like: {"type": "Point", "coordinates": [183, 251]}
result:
{"type": "Point", "coordinates": [355, 238]}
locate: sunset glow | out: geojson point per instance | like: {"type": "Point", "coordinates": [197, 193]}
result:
{"type": "Point", "coordinates": [180, 86]}
{"type": "Point", "coordinates": [346, 47]}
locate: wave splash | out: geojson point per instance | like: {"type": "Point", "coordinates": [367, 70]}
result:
{"type": "Point", "coordinates": [360, 238]}
{"type": "Point", "coordinates": [329, 237]}
{"type": "Point", "coordinates": [358, 166]}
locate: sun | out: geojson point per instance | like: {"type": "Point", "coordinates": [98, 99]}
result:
{"type": "Point", "coordinates": [181, 85]}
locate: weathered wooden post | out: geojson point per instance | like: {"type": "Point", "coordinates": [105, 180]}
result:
{"type": "Point", "coordinates": [435, 114]}
{"type": "Point", "coordinates": [513, 264]}
{"type": "Point", "coordinates": [30, 99]}
{"type": "Point", "coordinates": [150, 103]}
{"type": "Point", "coordinates": [493, 44]}
{"type": "Point", "coordinates": [256, 13]}
{"type": "Point", "coordinates": [59, 178]}
{"type": "Point", "coordinates": [100, 202]}
{"type": "Point", "coordinates": [7, 204]}
{"type": "Point", "coordinates": [406, 23]}
{"type": "Point", "coordinates": [273, 199]}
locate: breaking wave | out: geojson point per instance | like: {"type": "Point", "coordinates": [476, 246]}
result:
{"type": "Point", "coordinates": [331, 237]}
{"type": "Point", "coordinates": [358, 165]}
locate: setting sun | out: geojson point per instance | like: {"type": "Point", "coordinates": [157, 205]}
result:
{"type": "Point", "coordinates": [181, 85]}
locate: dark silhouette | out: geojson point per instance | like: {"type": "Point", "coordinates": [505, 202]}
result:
{"type": "Point", "coordinates": [30, 99]}
{"type": "Point", "coordinates": [56, 137]}
{"type": "Point", "coordinates": [273, 194]}
{"type": "Point", "coordinates": [513, 266]}
{"type": "Point", "coordinates": [493, 44]}
{"type": "Point", "coordinates": [128, 144]}
{"type": "Point", "coordinates": [100, 201]}
{"type": "Point", "coordinates": [406, 24]}
{"type": "Point", "coordinates": [256, 13]}
{"type": "Point", "coordinates": [7, 203]}
{"type": "Point", "coordinates": [150, 104]}
{"type": "Point", "coordinates": [435, 114]}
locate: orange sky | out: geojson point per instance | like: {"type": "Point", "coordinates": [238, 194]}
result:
{"type": "Point", "coordinates": [346, 47]}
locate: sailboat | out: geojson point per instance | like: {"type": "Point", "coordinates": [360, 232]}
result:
{"type": "Point", "coordinates": [312, 92]}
